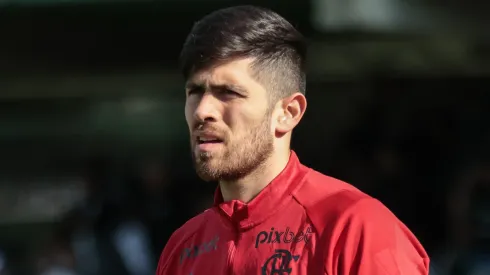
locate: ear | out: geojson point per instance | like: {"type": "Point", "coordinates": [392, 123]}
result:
{"type": "Point", "coordinates": [293, 109]}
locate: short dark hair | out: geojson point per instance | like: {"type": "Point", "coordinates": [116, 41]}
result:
{"type": "Point", "coordinates": [239, 32]}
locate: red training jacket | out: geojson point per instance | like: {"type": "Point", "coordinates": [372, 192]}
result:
{"type": "Point", "coordinates": [304, 223]}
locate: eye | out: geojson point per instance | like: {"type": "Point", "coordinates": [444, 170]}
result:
{"type": "Point", "coordinates": [194, 92]}
{"type": "Point", "coordinates": [230, 92]}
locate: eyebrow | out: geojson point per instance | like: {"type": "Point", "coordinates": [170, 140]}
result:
{"type": "Point", "coordinates": [203, 87]}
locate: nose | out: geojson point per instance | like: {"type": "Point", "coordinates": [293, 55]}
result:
{"type": "Point", "coordinates": [207, 108]}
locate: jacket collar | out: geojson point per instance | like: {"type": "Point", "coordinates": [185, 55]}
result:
{"type": "Point", "coordinates": [272, 198]}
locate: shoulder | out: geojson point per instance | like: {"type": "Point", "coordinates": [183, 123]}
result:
{"type": "Point", "coordinates": [194, 224]}
{"type": "Point", "coordinates": [321, 193]}
{"type": "Point", "coordinates": [180, 237]}
{"type": "Point", "coordinates": [329, 201]}
{"type": "Point", "coordinates": [340, 212]}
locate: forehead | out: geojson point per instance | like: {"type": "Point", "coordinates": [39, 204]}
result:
{"type": "Point", "coordinates": [235, 73]}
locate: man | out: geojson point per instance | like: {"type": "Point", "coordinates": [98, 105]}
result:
{"type": "Point", "coordinates": [245, 83]}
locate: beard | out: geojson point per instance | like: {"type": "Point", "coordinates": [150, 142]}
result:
{"type": "Point", "coordinates": [240, 157]}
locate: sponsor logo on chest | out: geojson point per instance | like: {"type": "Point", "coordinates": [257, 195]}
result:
{"type": "Point", "coordinates": [195, 251]}
{"type": "Point", "coordinates": [286, 236]}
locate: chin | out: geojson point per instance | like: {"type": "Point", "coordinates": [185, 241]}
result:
{"type": "Point", "coordinates": [208, 169]}
{"type": "Point", "coordinates": [208, 178]}
{"type": "Point", "coordinates": [207, 175]}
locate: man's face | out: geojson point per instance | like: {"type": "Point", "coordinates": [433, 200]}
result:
{"type": "Point", "coordinates": [229, 119]}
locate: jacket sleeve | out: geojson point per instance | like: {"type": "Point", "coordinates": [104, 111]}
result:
{"type": "Point", "coordinates": [371, 240]}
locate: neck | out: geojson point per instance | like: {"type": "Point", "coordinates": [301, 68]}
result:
{"type": "Point", "coordinates": [246, 188]}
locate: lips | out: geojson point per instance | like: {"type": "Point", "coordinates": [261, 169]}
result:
{"type": "Point", "coordinates": [208, 138]}
{"type": "Point", "coordinates": [207, 142]}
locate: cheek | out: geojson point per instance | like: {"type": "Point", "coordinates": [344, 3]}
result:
{"type": "Point", "coordinates": [246, 126]}
{"type": "Point", "coordinates": [188, 112]}
{"type": "Point", "coordinates": [273, 125]}
{"type": "Point", "coordinates": [243, 118]}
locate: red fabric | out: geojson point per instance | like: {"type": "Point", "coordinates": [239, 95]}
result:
{"type": "Point", "coordinates": [303, 222]}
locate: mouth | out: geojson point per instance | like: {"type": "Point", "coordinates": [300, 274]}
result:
{"type": "Point", "coordinates": [207, 142]}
